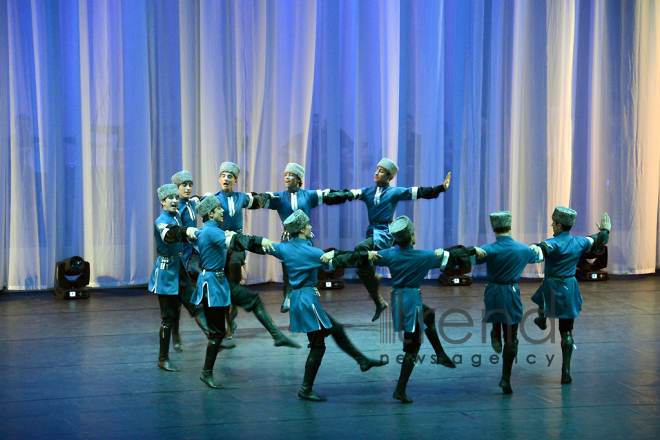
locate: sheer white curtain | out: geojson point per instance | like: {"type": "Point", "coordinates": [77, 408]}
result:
{"type": "Point", "coordinates": [530, 104]}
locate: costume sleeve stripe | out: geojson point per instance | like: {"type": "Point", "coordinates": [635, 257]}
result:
{"type": "Point", "coordinates": [445, 259]}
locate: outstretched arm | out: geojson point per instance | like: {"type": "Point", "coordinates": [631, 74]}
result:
{"type": "Point", "coordinates": [432, 192]}
{"type": "Point", "coordinates": [600, 240]}
{"type": "Point", "coordinates": [174, 233]}
{"type": "Point", "coordinates": [336, 259]}
{"type": "Point", "coordinates": [250, 243]}
{"type": "Point", "coordinates": [457, 256]}
{"type": "Point", "coordinates": [336, 197]}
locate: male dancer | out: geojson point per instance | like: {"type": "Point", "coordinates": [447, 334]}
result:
{"type": "Point", "coordinates": [505, 260]}
{"type": "Point", "coordinates": [184, 182]}
{"type": "Point", "coordinates": [302, 262]}
{"type": "Point", "coordinates": [233, 204]}
{"type": "Point", "coordinates": [559, 296]}
{"type": "Point", "coordinates": [408, 267]}
{"type": "Point", "coordinates": [215, 292]}
{"type": "Point", "coordinates": [381, 201]}
{"type": "Point", "coordinates": [169, 278]}
{"type": "Point", "coordinates": [294, 198]}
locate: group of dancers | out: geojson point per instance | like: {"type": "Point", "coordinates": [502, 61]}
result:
{"type": "Point", "coordinates": [215, 253]}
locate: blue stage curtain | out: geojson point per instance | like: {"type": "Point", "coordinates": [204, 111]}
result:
{"type": "Point", "coordinates": [530, 104]}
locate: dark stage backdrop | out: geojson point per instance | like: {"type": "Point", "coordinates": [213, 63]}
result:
{"type": "Point", "coordinates": [529, 104]}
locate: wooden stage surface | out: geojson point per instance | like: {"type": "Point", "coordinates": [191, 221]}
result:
{"type": "Point", "coordinates": [87, 369]}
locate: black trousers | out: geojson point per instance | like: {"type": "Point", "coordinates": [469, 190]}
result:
{"type": "Point", "coordinates": [243, 297]}
{"type": "Point", "coordinates": [317, 338]}
{"type": "Point", "coordinates": [215, 319]}
{"type": "Point", "coordinates": [170, 304]}
{"type": "Point", "coordinates": [234, 266]}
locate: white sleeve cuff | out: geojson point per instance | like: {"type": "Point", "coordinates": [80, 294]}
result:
{"type": "Point", "coordinates": [540, 256]}
{"type": "Point", "coordinates": [320, 194]}
{"type": "Point", "coordinates": [163, 233]}
{"type": "Point", "coordinates": [414, 192]}
{"type": "Point", "coordinates": [356, 193]}
{"type": "Point", "coordinates": [330, 265]}
{"type": "Point", "coordinates": [251, 200]}
{"type": "Point", "coordinates": [591, 241]}
{"type": "Point", "coordinates": [228, 240]}
{"type": "Point", "coordinates": [445, 259]}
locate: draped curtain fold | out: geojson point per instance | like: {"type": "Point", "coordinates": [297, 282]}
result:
{"type": "Point", "coordinates": [529, 104]}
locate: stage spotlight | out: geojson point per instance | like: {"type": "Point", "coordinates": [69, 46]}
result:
{"type": "Point", "coordinates": [594, 270]}
{"type": "Point", "coordinates": [72, 278]}
{"type": "Point", "coordinates": [329, 279]}
{"type": "Point", "coordinates": [456, 277]}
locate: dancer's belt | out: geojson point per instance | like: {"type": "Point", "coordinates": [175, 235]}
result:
{"type": "Point", "coordinates": [379, 224]}
{"type": "Point", "coordinates": [559, 278]}
{"type": "Point", "coordinates": [219, 274]}
{"type": "Point", "coordinates": [168, 258]}
{"type": "Point", "coordinates": [513, 283]}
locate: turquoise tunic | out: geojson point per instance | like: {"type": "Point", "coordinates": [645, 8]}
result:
{"type": "Point", "coordinates": [408, 268]}
{"type": "Point", "coordinates": [302, 261]}
{"type": "Point", "coordinates": [165, 273]}
{"type": "Point", "coordinates": [233, 203]}
{"type": "Point", "coordinates": [286, 202]}
{"type": "Point", "coordinates": [381, 203]}
{"type": "Point", "coordinates": [188, 216]}
{"type": "Point", "coordinates": [559, 295]}
{"type": "Point", "coordinates": [213, 245]}
{"type": "Point", "coordinates": [505, 262]}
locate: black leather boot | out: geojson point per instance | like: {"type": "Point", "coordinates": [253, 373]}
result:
{"type": "Point", "coordinates": [201, 322]}
{"type": "Point", "coordinates": [541, 321]}
{"type": "Point", "coordinates": [566, 353]}
{"type": "Point", "coordinates": [432, 335]}
{"type": "Point", "coordinates": [371, 282]}
{"type": "Point", "coordinates": [311, 368]}
{"type": "Point", "coordinates": [407, 367]}
{"type": "Point", "coordinates": [264, 318]}
{"type": "Point", "coordinates": [339, 335]}
{"type": "Point", "coordinates": [212, 349]}
{"type": "Point", "coordinates": [164, 354]}
{"type": "Point", "coordinates": [508, 357]}
{"type": "Point", "coordinates": [496, 338]}
{"type": "Point", "coordinates": [176, 336]}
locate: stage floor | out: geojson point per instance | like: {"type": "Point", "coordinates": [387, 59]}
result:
{"type": "Point", "coordinates": [88, 369]}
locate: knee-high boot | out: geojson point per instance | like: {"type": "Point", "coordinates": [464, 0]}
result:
{"type": "Point", "coordinates": [566, 353]}
{"type": "Point", "coordinates": [164, 354]}
{"type": "Point", "coordinates": [496, 337]}
{"type": "Point", "coordinates": [311, 368]}
{"type": "Point", "coordinates": [212, 349]}
{"type": "Point", "coordinates": [339, 335]}
{"type": "Point", "coordinates": [286, 291]}
{"type": "Point", "coordinates": [508, 357]}
{"type": "Point", "coordinates": [407, 367]}
{"type": "Point", "coordinates": [432, 335]}
{"type": "Point", "coordinates": [201, 322]}
{"type": "Point", "coordinates": [541, 321]}
{"type": "Point", "coordinates": [176, 335]}
{"type": "Point", "coordinates": [264, 318]}
{"type": "Point", "coordinates": [368, 277]}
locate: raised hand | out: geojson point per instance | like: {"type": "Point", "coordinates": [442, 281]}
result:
{"type": "Point", "coordinates": [604, 222]}
{"type": "Point", "coordinates": [190, 232]}
{"type": "Point", "coordinates": [439, 252]}
{"type": "Point", "coordinates": [447, 180]}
